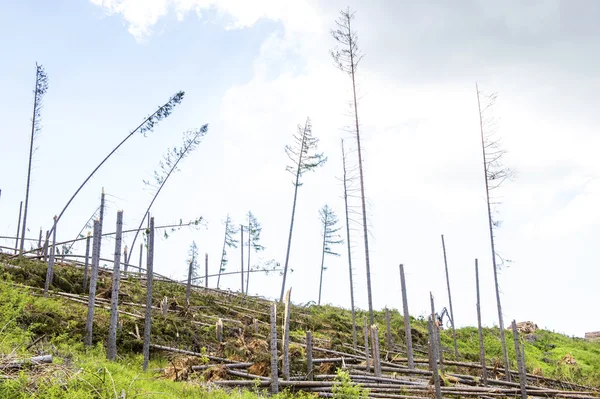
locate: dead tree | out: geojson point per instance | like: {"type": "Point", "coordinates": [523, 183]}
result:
{"type": "Point", "coordinates": [146, 126]}
{"type": "Point", "coordinates": [495, 174]}
{"type": "Point", "coordinates": [254, 230]}
{"type": "Point", "coordinates": [114, 300]}
{"type": "Point", "coordinates": [191, 141]}
{"type": "Point", "coordinates": [450, 300]}
{"type": "Point", "coordinates": [89, 326]}
{"type": "Point", "coordinates": [229, 241]}
{"type": "Point", "coordinates": [304, 158]}
{"type": "Point", "coordinates": [41, 86]}
{"type": "Point", "coordinates": [192, 271]}
{"type": "Point", "coordinates": [18, 228]}
{"type": "Point", "coordinates": [149, 277]}
{"type": "Point", "coordinates": [331, 237]}
{"type": "Point", "coordinates": [347, 57]}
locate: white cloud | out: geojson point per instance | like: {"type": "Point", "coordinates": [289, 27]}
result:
{"type": "Point", "coordinates": [142, 15]}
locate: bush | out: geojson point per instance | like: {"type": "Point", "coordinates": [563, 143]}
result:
{"type": "Point", "coordinates": [346, 389]}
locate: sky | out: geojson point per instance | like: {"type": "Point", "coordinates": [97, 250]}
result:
{"type": "Point", "coordinates": [255, 72]}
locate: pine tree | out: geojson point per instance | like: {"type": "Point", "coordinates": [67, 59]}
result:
{"type": "Point", "coordinates": [331, 237]}
{"type": "Point", "coordinates": [228, 242]}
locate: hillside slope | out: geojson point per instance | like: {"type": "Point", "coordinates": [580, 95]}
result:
{"type": "Point", "coordinates": [31, 325]}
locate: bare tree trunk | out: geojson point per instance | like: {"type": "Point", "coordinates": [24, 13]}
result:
{"type": "Point", "coordinates": [242, 255]}
{"type": "Point", "coordinates": [50, 270]}
{"type": "Point", "coordinates": [348, 241]}
{"type": "Point", "coordinates": [406, 316]}
{"type": "Point", "coordinates": [322, 263]}
{"type": "Point", "coordinates": [39, 251]}
{"type": "Point", "coordinates": [309, 358]}
{"type": "Point", "coordinates": [126, 265]}
{"type": "Point", "coordinates": [522, 376]}
{"type": "Point", "coordinates": [450, 300]}
{"type": "Point", "coordinates": [287, 255]}
{"type": "Point", "coordinates": [221, 264]}
{"type": "Point", "coordinates": [18, 228]}
{"type": "Point", "coordinates": [87, 263]}
{"type": "Point", "coordinates": [366, 333]}
{"type": "Point", "coordinates": [206, 270]}
{"type": "Point", "coordinates": [114, 300]}
{"type": "Point", "coordinates": [481, 346]}
{"type": "Point", "coordinates": [274, 373]}
{"type": "Point", "coordinates": [388, 330]}
{"type": "Point", "coordinates": [219, 330]}
{"type": "Point", "coordinates": [491, 228]}
{"type": "Point", "coordinates": [437, 347]}
{"type": "Point", "coordinates": [141, 255]}
{"type": "Point", "coordinates": [248, 268]}
{"type": "Point", "coordinates": [93, 281]}
{"type": "Point", "coordinates": [149, 277]}
{"type": "Point", "coordinates": [46, 245]}
{"type": "Point", "coordinates": [286, 335]}
{"type": "Point", "coordinates": [189, 282]}
{"type": "Point", "coordinates": [432, 357]}
{"type": "Point", "coordinates": [376, 355]}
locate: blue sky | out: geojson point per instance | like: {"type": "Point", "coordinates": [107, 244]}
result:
{"type": "Point", "coordinates": [255, 72]}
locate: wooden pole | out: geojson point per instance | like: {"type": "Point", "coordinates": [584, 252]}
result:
{"type": "Point", "coordinates": [366, 333]}
{"type": "Point", "coordinates": [406, 316]}
{"type": "Point", "coordinates": [46, 245]}
{"type": "Point", "coordinates": [141, 255]}
{"type": "Point", "coordinates": [309, 355]}
{"type": "Point", "coordinates": [389, 340]}
{"type": "Point", "coordinates": [436, 334]}
{"type": "Point", "coordinates": [432, 357]}
{"type": "Point", "coordinates": [522, 376]}
{"type": "Point", "coordinates": [93, 282]}
{"type": "Point", "coordinates": [376, 355]}
{"type": "Point", "coordinates": [50, 270]}
{"type": "Point", "coordinates": [114, 299]}
{"type": "Point", "coordinates": [39, 251]}
{"type": "Point", "coordinates": [286, 335]}
{"type": "Point", "coordinates": [125, 257]}
{"type": "Point", "coordinates": [188, 289]}
{"type": "Point", "coordinates": [149, 276]}
{"type": "Point", "coordinates": [480, 332]}
{"type": "Point", "coordinates": [274, 373]}
{"type": "Point", "coordinates": [450, 300]}
{"type": "Point", "coordinates": [242, 256]}
{"type": "Point", "coordinates": [87, 263]}
{"type": "Point", "coordinates": [18, 228]}
{"type": "Point", "coordinates": [206, 270]}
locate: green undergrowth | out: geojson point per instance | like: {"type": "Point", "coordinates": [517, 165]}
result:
{"type": "Point", "coordinates": [31, 325]}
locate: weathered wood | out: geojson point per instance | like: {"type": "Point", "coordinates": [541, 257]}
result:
{"type": "Point", "coordinates": [46, 244]}
{"type": "Point", "coordinates": [274, 374]}
{"type": "Point", "coordinates": [87, 262]}
{"type": "Point", "coordinates": [125, 264]}
{"type": "Point", "coordinates": [480, 332]}
{"type": "Point", "coordinates": [406, 316]}
{"type": "Point", "coordinates": [376, 355]}
{"type": "Point", "coordinates": [388, 332]}
{"type": "Point", "coordinates": [437, 347]}
{"type": "Point", "coordinates": [206, 270]}
{"type": "Point", "coordinates": [219, 330]}
{"type": "Point", "coordinates": [19, 363]}
{"type": "Point", "coordinates": [309, 356]}
{"type": "Point", "coordinates": [522, 377]}
{"type": "Point", "coordinates": [18, 228]}
{"type": "Point", "coordinates": [141, 256]}
{"type": "Point", "coordinates": [242, 256]}
{"type": "Point", "coordinates": [149, 277]}
{"type": "Point", "coordinates": [111, 350]}
{"type": "Point", "coordinates": [188, 288]}
{"type": "Point", "coordinates": [286, 335]}
{"type": "Point", "coordinates": [93, 282]}
{"type": "Point", "coordinates": [366, 335]}
{"type": "Point", "coordinates": [39, 248]}
{"type": "Point", "coordinates": [186, 352]}
{"type": "Point", "coordinates": [50, 270]}
{"type": "Point", "coordinates": [433, 359]}
{"type": "Point", "coordinates": [450, 301]}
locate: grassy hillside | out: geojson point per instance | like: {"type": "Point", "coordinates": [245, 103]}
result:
{"type": "Point", "coordinates": [31, 325]}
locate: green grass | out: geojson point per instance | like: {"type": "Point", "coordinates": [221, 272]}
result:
{"type": "Point", "coordinates": [80, 372]}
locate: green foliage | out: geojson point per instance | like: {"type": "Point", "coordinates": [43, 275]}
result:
{"type": "Point", "coordinates": [346, 389]}
{"type": "Point", "coordinates": [303, 154]}
{"type": "Point", "coordinates": [330, 221]}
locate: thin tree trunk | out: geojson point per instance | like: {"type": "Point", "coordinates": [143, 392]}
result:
{"type": "Point", "coordinates": [114, 300]}
{"type": "Point", "coordinates": [286, 335]}
{"type": "Point", "coordinates": [46, 244]}
{"type": "Point", "coordinates": [206, 270]}
{"type": "Point", "coordinates": [522, 376]}
{"type": "Point", "coordinates": [432, 357]}
{"type": "Point", "coordinates": [287, 254]}
{"type": "Point", "coordinates": [480, 332]}
{"type": "Point", "coordinates": [309, 357]}
{"type": "Point", "coordinates": [189, 282]}
{"type": "Point", "coordinates": [141, 255]}
{"type": "Point", "coordinates": [149, 277]}
{"type": "Point", "coordinates": [322, 263]}
{"type": "Point", "coordinates": [93, 281]}
{"type": "Point", "coordinates": [274, 373]}
{"type": "Point", "coordinates": [376, 355]}
{"type": "Point", "coordinates": [450, 301]}
{"type": "Point", "coordinates": [18, 228]}
{"type": "Point", "coordinates": [487, 193]}
{"type": "Point", "coordinates": [438, 347]}
{"type": "Point", "coordinates": [50, 271]}
{"type": "Point", "coordinates": [126, 265]}
{"type": "Point", "coordinates": [406, 316]}
{"type": "Point", "coordinates": [366, 333]}
{"type": "Point", "coordinates": [39, 250]}
{"type": "Point", "coordinates": [388, 331]}
{"type": "Point", "coordinates": [362, 182]}
{"type": "Point", "coordinates": [221, 264]}
{"type": "Point", "coordinates": [242, 255]}
{"type": "Point", "coordinates": [248, 268]}
{"type": "Point", "coordinates": [87, 263]}
{"type": "Point", "coordinates": [348, 241]}
{"type": "Point", "coordinates": [33, 123]}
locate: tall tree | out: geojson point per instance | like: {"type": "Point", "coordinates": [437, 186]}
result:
{"type": "Point", "coordinates": [495, 173]}
{"type": "Point", "coordinates": [304, 158]}
{"type": "Point", "coordinates": [191, 140]}
{"type": "Point", "coordinates": [347, 57]}
{"type": "Point", "coordinates": [146, 126]}
{"type": "Point", "coordinates": [254, 230]}
{"type": "Point", "coordinates": [348, 180]}
{"type": "Point", "coordinates": [41, 86]}
{"type": "Point", "coordinates": [229, 241]}
{"type": "Point", "coordinates": [329, 220]}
